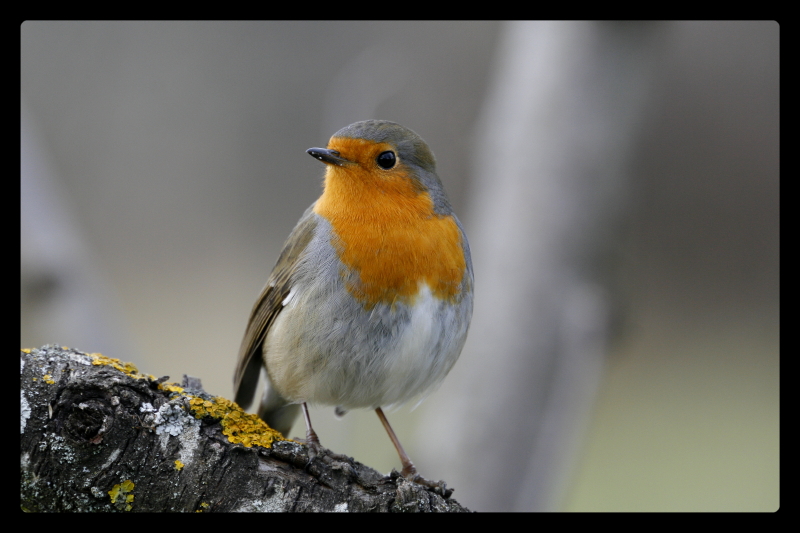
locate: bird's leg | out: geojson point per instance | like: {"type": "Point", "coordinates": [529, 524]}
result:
{"type": "Point", "coordinates": [409, 470]}
{"type": "Point", "coordinates": [311, 436]}
{"type": "Point", "coordinates": [314, 447]}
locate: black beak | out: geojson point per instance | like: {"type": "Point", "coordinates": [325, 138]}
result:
{"type": "Point", "coordinates": [330, 157]}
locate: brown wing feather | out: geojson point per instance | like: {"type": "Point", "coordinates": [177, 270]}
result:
{"type": "Point", "coordinates": [267, 307]}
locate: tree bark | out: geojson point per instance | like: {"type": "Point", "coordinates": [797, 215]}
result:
{"type": "Point", "coordinates": [98, 436]}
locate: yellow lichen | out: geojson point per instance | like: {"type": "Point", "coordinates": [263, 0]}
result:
{"type": "Point", "coordinates": [124, 489]}
{"type": "Point", "coordinates": [48, 379]}
{"type": "Point", "coordinates": [238, 426]}
{"type": "Point", "coordinates": [25, 350]}
{"type": "Point", "coordinates": [171, 387]}
{"type": "Point", "coordinates": [128, 368]}
{"type": "Point", "coordinates": [178, 465]}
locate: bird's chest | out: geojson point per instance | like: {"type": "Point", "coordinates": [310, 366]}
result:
{"type": "Point", "coordinates": [363, 324]}
{"type": "Point", "coordinates": [388, 260]}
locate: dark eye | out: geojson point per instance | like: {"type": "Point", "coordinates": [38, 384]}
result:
{"type": "Point", "coordinates": [386, 160]}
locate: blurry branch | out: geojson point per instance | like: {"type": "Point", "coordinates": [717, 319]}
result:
{"type": "Point", "coordinates": [98, 436]}
{"type": "Point", "coordinates": [550, 200]}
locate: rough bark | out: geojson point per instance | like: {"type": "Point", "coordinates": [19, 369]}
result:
{"type": "Point", "coordinates": [98, 436]}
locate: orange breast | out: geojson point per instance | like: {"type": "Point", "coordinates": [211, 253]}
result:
{"type": "Point", "coordinates": [386, 231]}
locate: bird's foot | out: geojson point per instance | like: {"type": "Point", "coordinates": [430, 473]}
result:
{"type": "Point", "coordinates": [411, 474]}
{"type": "Point", "coordinates": [315, 449]}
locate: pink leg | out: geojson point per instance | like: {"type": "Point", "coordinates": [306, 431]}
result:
{"type": "Point", "coordinates": [311, 437]}
{"type": "Point", "coordinates": [409, 470]}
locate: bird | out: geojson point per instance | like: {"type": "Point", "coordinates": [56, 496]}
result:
{"type": "Point", "coordinates": [370, 301]}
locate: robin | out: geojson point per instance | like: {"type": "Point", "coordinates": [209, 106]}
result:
{"type": "Point", "coordinates": [369, 303]}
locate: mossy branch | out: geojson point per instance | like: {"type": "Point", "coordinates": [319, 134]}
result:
{"type": "Point", "coordinates": [96, 435]}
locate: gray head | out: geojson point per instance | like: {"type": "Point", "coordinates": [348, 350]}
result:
{"type": "Point", "coordinates": [410, 146]}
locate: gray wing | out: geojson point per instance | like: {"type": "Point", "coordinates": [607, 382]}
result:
{"type": "Point", "coordinates": [267, 307]}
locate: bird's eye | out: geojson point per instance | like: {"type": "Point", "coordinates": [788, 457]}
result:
{"type": "Point", "coordinates": [386, 160]}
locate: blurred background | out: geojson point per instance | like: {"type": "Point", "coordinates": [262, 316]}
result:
{"type": "Point", "coordinates": [619, 183]}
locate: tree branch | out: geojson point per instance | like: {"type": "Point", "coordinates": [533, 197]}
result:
{"type": "Point", "coordinates": [98, 436]}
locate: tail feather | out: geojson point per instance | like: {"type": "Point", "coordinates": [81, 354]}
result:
{"type": "Point", "coordinates": [277, 412]}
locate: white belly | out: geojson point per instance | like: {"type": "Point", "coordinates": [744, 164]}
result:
{"type": "Point", "coordinates": [381, 358]}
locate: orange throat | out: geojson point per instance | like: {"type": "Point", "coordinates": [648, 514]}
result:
{"type": "Point", "coordinates": [389, 239]}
